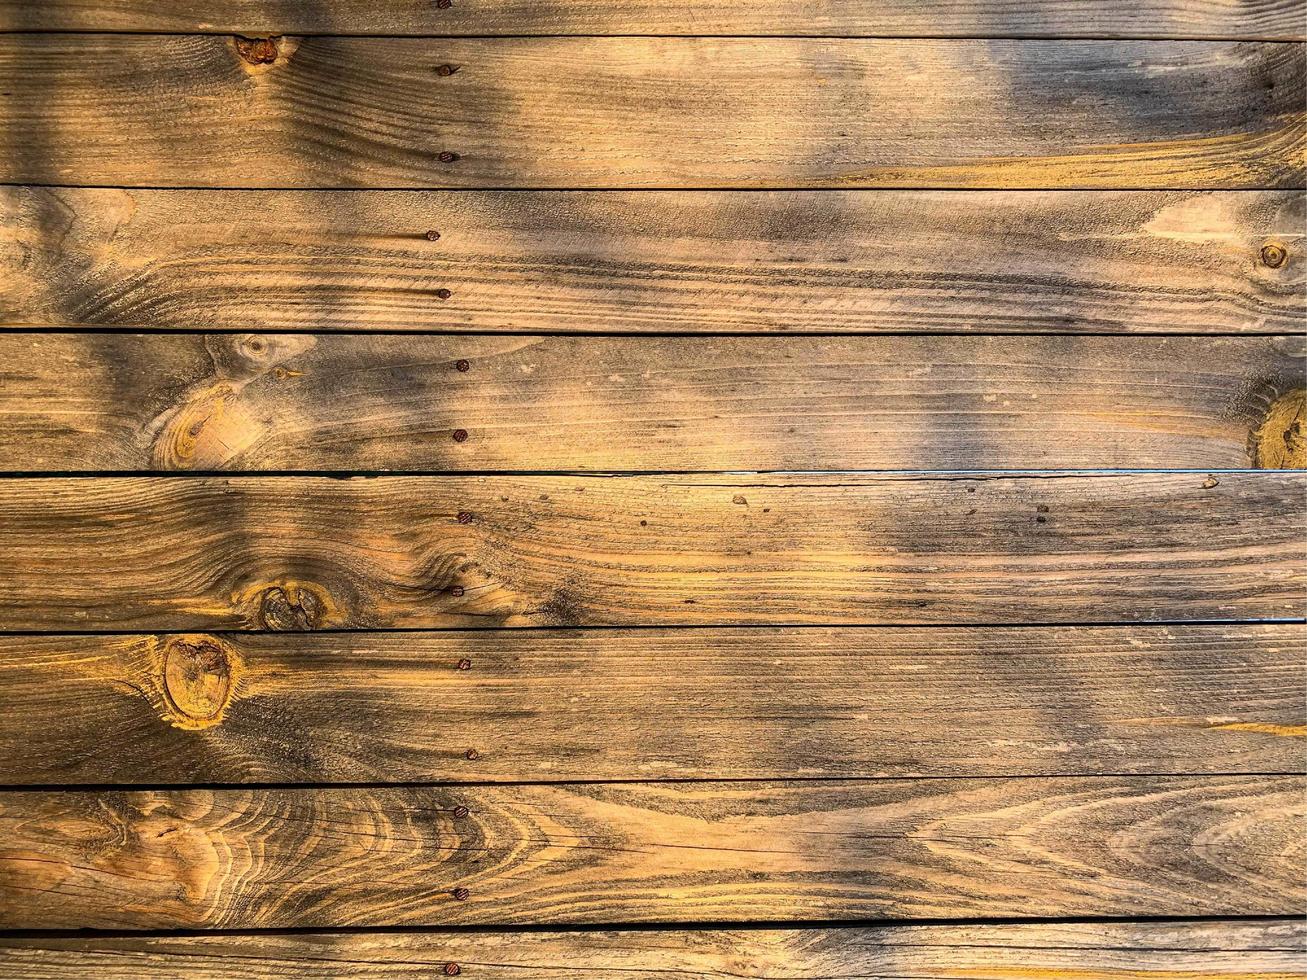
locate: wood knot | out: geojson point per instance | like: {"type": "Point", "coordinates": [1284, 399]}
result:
{"type": "Point", "coordinates": [258, 50]}
{"type": "Point", "coordinates": [198, 678]}
{"type": "Point", "coordinates": [292, 607]}
{"type": "Point", "coordinates": [1280, 442]}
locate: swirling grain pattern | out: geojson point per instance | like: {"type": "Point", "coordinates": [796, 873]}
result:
{"type": "Point", "coordinates": [587, 112]}
{"type": "Point", "coordinates": [653, 852]}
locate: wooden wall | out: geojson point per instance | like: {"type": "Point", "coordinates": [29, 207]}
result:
{"type": "Point", "coordinates": [511, 488]}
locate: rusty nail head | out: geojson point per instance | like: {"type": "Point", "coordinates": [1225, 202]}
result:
{"type": "Point", "coordinates": [465, 517]}
{"type": "Point", "coordinates": [447, 157]}
{"type": "Point", "coordinates": [433, 236]}
{"type": "Point", "coordinates": [465, 664]}
{"type": "Point", "coordinates": [443, 294]}
{"type": "Point", "coordinates": [461, 812]}
{"type": "Point", "coordinates": [460, 435]}
{"type": "Point", "coordinates": [461, 893]}
{"type": "Point", "coordinates": [471, 755]}
{"type": "Point", "coordinates": [463, 366]}
{"type": "Point", "coordinates": [456, 591]}
{"type": "Point", "coordinates": [1274, 255]}
{"type": "Point", "coordinates": [444, 71]}
{"type": "Point", "coordinates": [452, 969]}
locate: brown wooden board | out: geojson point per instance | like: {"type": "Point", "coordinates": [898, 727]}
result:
{"type": "Point", "coordinates": [181, 553]}
{"type": "Point", "coordinates": [168, 110]}
{"type": "Point", "coordinates": [651, 704]}
{"type": "Point", "coordinates": [1220, 950]}
{"type": "Point", "coordinates": [654, 852]}
{"type": "Point", "coordinates": [655, 261]}
{"type": "Point", "coordinates": [910, 18]}
{"type": "Point", "coordinates": [159, 402]}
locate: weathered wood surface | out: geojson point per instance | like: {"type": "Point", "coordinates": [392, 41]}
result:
{"type": "Point", "coordinates": [160, 402]}
{"type": "Point", "coordinates": [846, 18]}
{"type": "Point", "coordinates": [1220, 950]}
{"type": "Point", "coordinates": [160, 110]}
{"type": "Point", "coordinates": [602, 704]}
{"type": "Point", "coordinates": [653, 852]}
{"type": "Point", "coordinates": [193, 553]}
{"type": "Point", "coordinates": [669, 261]}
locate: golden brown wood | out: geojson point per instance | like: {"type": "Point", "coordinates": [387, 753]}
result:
{"type": "Point", "coordinates": [653, 852]}
{"type": "Point", "coordinates": [96, 402]}
{"type": "Point", "coordinates": [910, 18]}
{"type": "Point", "coordinates": [156, 110]}
{"type": "Point", "coordinates": [152, 553]}
{"type": "Point", "coordinates": [604, 704]}
{"type": "Point", "coordinates": [670, 261]}
{"type": "Point", "coordinates": [1220, 950]}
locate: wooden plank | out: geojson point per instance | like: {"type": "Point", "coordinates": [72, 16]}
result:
{"type": "Point", "coordinates": [726, 704]}
{"type": "Point", "coordinates": [1219, 950]}
{"type": "Point", "coordinates": [97, 402]}
{"type": "Point", "coordinates": [157, 110]}
{"type": "Point", "coordinates": [653, 852]}
{"type": "Point", "coordinates": [886, 18]}
{"type": "Point", "coordinates": [157, 553]}
{"type": "Point", "coordinates": [665, 261]}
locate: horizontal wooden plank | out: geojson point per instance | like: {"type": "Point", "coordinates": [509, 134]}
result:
{"type": "Point", "coordinates": [907, 18]}
{"type": "Point", "coordinates": [290, 553]}
{"type": "Point", "coordinates": [1211, 699]}
{"type": "Point", "coordinates": [1217, 950]}
{"type": "Point", "coordinates": [157, 110]}
{"type": "Point", "coordinates": [159, 402]}
{"type": "Point", "coordinates": [655, 261]}
{"type": "Point", "coordinates": [653, 852]}
{"type": "Point", "coordinates": [605, 705]}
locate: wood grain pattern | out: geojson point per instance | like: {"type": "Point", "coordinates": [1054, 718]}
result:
{"type": "Point", "coordinates": [909, 18]}
{"type": "Point", "coordinates": [650, 261]}
{"type": "Point", "coordinates": [1220, 950]}
{"type": "Point", "coordinates": [96, 402]}
{"type": "Point", "coordinates": [652, 704]}
{"type": "Point", "coordinates": [157, 110]}
{"type": "Point", "coordinates": [653, 852]}
{"type": "Point", "coordinates": [151, 553]}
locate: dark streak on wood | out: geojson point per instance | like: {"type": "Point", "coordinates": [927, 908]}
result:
{"type": "Point", "coordinates": [1221, 950]}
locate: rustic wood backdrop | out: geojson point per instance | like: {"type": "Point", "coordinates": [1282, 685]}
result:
{"type": "Point", "coordinates": [632, 488]}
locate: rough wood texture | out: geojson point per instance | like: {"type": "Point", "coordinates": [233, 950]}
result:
{"type": "Point", "coordinates": [156, 110]}
{"type": "Point", "coordinates": [885, 18]}
{"type": "Point", "coordinates": [157, 553]}
{"type": "Point", "coordinates": [668, 261]}
{"type": "Point", "coordinates": [1229, 950]}
{"type": "Point", "coordinates": [95, 402]}
{"type": "Point", "coordinates": [601, 704]}
{"type": "Point", "coordinates": [653, 852]}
